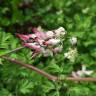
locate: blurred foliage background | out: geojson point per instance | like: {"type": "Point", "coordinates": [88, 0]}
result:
{"type": "Point", "coordinates": [78, 17]}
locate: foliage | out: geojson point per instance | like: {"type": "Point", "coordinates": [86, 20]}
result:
{"type": "Point", "coordinates": [79, 19]}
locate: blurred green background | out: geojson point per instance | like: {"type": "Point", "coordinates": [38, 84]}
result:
{"type": "Point", "coordinates": [78, 17]}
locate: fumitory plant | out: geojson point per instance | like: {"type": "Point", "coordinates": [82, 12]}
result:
{"type": "Point", "coordinates": [46, 44]}
{"type": "Point", "coordinates": [75, 60]}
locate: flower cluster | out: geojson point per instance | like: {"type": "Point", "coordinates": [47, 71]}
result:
{"type": "Point", "coordinates": [46, 43]}
{"type": "Point", "coordinates": [71, 54]}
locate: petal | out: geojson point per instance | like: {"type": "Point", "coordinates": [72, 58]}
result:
{"type": "Point", "coordinates": [22, 37]}
{"type": "Point", "coordinates": [33, 46]}
{"type": "Point", "coordinates": [74, 74]}
{"type": "Point", "coordinates": [53, 41]}
{"type": "Point", "coordinates": [88, 72]}
{"type": "Point", "coordinates": [40, 35]}
{"type": "Point", "coordinates": [60, 31]}
{"type": "Point", "coordinates": [32, 36]}
{"type": "Point", "coordinates": [80, 73]}
{"type": "Point", "coordinates": [49, 34]}
{"type": "Point", "coordinates": [83, 67]}
{"type": "Point", "coordinates": [57, 49]}
{"type": "Point", "coordinates": [73, 40]}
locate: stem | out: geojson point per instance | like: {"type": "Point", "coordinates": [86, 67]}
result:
{"type": "Point", "coordinates": [81, 79]}
{"type": "Point", "coordinates": [12, 51]}
{"type": "Point", "coordinates": [57, 88]}
{"type": "Point", "coordinates": [50, 77]}
{"type": "Point", "coordinates": [45, 74]}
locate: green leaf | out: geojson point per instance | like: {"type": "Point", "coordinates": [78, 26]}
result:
{"type": "Point", "coordinates": [25, 86]}
{"type": "Point", "coordinates": [5, 92]}
{"type": "Point", "coordinates": [48, 86]}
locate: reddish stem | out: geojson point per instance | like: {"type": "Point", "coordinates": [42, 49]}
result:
{"type": "Point", "coordinates": [50, 77]}
{"type": "Point", "coordinates": [47, 75]}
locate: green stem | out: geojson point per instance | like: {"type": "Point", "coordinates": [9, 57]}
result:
{"type": "Point", "coordinates": [12, 51]}
{"type": "Point", "coordinates": [57, 88]}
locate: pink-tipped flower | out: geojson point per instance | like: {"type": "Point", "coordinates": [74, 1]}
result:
{"type": "Point", "coordinates": [22, 37]}
{"type": "Point", "coordinates": [33, 46]}
{"type": "Point", "coordinates": [40, 35]}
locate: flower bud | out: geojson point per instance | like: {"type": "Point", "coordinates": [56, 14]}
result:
{"type": "Point", "coordinates": [22, 37]}
{"type": "Point", "coordinates": [60, 31]}
{"type": "Point", "coordinates": [73, 40]}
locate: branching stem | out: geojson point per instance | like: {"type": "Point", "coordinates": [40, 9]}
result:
{"type": "Point", "coordinates": [45, 74]}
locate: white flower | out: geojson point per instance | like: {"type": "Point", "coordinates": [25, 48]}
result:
{"type": "Point", "coordinates": [53, 41]}
{"type": "Point", "coordinates": [49, 34]}
{"type": "Point", "coordinates": [73, 40]}
{"type": "Point", "coordinates": [82, 72]}
{"type": "Point", "coordinates": [60, 31]}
